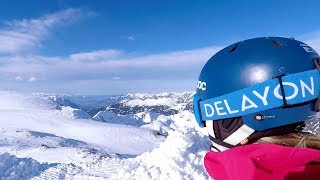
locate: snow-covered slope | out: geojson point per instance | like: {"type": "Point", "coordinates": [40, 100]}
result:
{"type": "Point", "coordinates": [137, 136]}
{"type": "Point", "coordinates": [78, 146]}
{"type": "Point", "coordinates": [15, 101]}
{"type": "Point", "coordinates": [24, 114]}
{"type": "Point", "coordinates": [111, 117]}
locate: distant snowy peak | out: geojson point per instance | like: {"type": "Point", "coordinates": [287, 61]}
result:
{"type": "Point", "coordinates": [176, 101]}
{"type": "Point", "coordinates": [183, 97]}
{"type": "Point", "coordinates": [144, 108]}
{"type": "Point", "coordinates": [149, 102]}
{"type": "Point", "coordinates": [63, 101]}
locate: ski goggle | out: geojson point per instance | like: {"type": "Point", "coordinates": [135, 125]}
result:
{"type": "Point", "coordinates": [283, 100]}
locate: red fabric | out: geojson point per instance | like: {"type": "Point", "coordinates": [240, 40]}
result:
{"type": "Point", "coordinates": [264, 161]}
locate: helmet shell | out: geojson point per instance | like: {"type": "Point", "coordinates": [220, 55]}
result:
{"type": "Point", "coordinates": [254, 61]}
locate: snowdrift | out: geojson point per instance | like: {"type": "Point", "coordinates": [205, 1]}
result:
{"type": "Point", "coordinates": [67, 143]}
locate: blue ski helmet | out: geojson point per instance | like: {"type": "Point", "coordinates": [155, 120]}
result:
{"type": "Point", "coordinates": [255, 88]}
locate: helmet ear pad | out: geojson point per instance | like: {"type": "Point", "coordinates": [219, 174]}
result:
{"type": "Point", "coordinates": [226, 127]}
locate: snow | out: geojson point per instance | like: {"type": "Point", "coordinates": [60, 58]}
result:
{"type": "Point", "coordinates": [64, 123]}
{"type": "Point", "coordinates": [12, 167]}
{"type": "Point", "coordinates": [183, 95]}
{"type": "Point", "coordinates": [180, 156]}
{"type": "Point", "coordinates": [173, 100]}
{"type": "Point", "coordinates": [50, 137]}
{"type": "Point", "coordinates": [110, 117]}
{"type": "Point", "coordinates": [150, 102]}
{"type": "Point", "coordinates": [15, 101]}
{"type": "Point", "coordinates": [137, 119]}
{"type": "Point", "coordinates": [147, 117]}
{"type": "Point", "coordinates": [94, 133]}
{"type": "Point", "coordinates": [63, 142]}
{"type": "Point", "coordinates": [74, 113]}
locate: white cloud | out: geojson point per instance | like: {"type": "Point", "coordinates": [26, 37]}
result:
{"type": "Point", "coordinates": [171, 60]}
{"type": "Point", "coordinates": [32, 79]}
{"type": "Point", "coordinates": [314, 43]}
{"type": "Point", "coordinates": [107, 68]}
{"type": "Point", "coordinates": [312, 39]}
{"type": "Point", "coordinates": [27, 34]}
{"type": "Point", "coordinates": [95, 55]}
{"type": "Point", "coordinates": [15, 42]}
{"type": "Point", "coordinates": [130, 38]}
{"type": "Point", "coordinates": [19, 78]}
{"type": "Point", "coordinates": [113, 59]}
{"type": "Point", "coordinates": [116, 78]}
{"type": "Point", "coordinates": [105, 63]}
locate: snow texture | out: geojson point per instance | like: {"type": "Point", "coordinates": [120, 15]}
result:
{"type": "Point", "coordinates": [150, 102]}
{"type": "Point", "coordinates": [48, 137]}
{"type": "Point", "coordinates": [13, 168]}
{"type": "Point", "coordinates": [110, 117]}
{"type": "Point", "coordinates": [51, 137]}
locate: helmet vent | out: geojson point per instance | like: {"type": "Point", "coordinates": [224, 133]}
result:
{"type": "Point", "coordinates": [234, 48]}
{"type": "Point", "coordinates": [276, 43]}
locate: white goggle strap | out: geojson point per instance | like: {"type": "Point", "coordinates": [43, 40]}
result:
{"type": "Point", "coordinates": [241, 134]}
{"type": "Point", "coordinates": [234, 139]}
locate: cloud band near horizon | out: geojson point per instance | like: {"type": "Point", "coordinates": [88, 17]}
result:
{"type": "Point", "coordinates": [110, 70]}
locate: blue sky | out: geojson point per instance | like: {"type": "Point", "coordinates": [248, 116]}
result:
{"type": "Point", "coordinates": [115, 47]}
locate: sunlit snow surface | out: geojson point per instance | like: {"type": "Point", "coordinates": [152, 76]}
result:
{"type": "Point", "coordinates": [53, 137]}
{"type": "Point", "coordinates": [61, 142]}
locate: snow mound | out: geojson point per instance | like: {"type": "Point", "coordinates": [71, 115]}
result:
{"type": "Point", "coordinates": [163, 124]}
{"type": "Point", "coordinates": [12, 167]}
{"type": "Point", "coordinates": [18, 101]}
{"type": "Point", "coordinates": [179, 157]}
{"type": "Point", "coordinates": [57, 133]}
{"type": "Point", "coordinates": [74, 113]}
{"type": "Point", "coordinates": [147, 117]}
